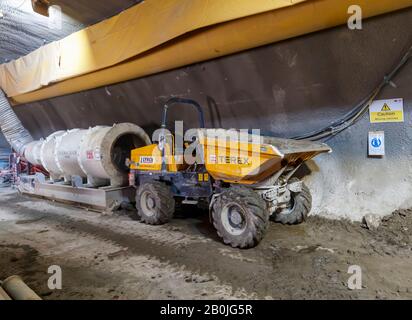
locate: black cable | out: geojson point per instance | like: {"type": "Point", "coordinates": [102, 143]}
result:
{"type": "Point", "coordinates": [358, 111]}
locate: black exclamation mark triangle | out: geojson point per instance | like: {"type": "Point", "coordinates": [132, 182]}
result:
{"type": "Point", "coordinates": [386, 107]}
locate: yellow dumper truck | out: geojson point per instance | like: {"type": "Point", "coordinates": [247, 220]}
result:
{"type": "Point", "coordinates": [245, 179]}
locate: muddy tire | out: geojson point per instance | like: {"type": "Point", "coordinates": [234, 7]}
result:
{"type": "Point", "coordinates": [155, 203]}
{"type": "Point", "coordinates": [301, 204]}
{"type": "Point", "coordinates": [240, 217]}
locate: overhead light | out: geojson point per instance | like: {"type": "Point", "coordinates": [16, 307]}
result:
{"type": "Point", "coordinates": [41, 7]}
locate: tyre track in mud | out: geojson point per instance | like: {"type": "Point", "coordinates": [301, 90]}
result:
{"type": "Point", "coordinates": [257, 271]}
{"type": "Point", "coordinates": [196, 257]}
{"type": "Point", "coordinates": [303, 262]}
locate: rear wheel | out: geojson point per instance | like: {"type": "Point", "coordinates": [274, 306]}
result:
{"type": "Point", "coordinates": [240, 217]}
{"type": "Point", "coordinates": [155, 203]}
{"type": "Point", "coordinates": [299, 207]}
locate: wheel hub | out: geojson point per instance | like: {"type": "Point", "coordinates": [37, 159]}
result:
{"type": "Point", "coordinates": [233, 219]}
{"type": "Point", "coordinates": [150, 202]}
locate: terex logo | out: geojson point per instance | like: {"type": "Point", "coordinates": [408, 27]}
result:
{"type": "Point", "coordinates": [146, 160]}
{"type": "Point", "coordinates": [233, 160]}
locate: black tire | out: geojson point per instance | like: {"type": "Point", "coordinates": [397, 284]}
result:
{"type": "Point", "coordinates": [155, 203]}
{"type": "Point", "coordinates": [251, 216]}
{"type": "Point", "coordinates": [301, 204]}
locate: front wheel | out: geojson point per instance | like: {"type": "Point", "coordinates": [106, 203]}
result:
{"type": "Point", "coordinates": [299, 207]}
{"type": "Point", "coordinates": [155, 203]}
{"type": "Point", "coordinates": [240, 217]}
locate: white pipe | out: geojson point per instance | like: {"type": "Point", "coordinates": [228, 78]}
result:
{"type": "Point", "coordinates": [18, 290]}
{"type": "Point", "coordinates": [97, 154]}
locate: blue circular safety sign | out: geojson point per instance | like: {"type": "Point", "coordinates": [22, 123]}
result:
{"type": "Point", "coordinates": [376, 142]}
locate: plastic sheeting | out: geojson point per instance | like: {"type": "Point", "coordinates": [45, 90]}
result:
{"type": "Point", "coordinates": [236, 34]}
{"type": "Point", "coordinates": [132, 32]}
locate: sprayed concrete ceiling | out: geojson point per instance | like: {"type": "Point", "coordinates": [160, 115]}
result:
{"type": "Point", "coordinates": [22, 30]}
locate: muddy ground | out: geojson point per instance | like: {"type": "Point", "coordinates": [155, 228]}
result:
{"type": "Point", "coordinates": [117, 257]}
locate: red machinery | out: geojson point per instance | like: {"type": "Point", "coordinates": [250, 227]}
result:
{"type": "Point", "coordinates": [17, 166]}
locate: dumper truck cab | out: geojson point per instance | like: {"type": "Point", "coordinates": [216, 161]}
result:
{"type": "Point", "coordinates": [242, 177]}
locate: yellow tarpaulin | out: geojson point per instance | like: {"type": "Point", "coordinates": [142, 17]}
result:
{"type": "Point", "coordinates": [132, 32]}
{"type": "Point", "coordinates": [85, 67]}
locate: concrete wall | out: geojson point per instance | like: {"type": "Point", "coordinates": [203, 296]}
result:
{"type": "Point", "coordinates": [284, 89]}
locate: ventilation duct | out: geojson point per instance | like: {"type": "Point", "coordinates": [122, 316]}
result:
{"type": "Point", "coordinates": [98, 154]}
{"type": "Point", "coordinates": [14, 132]}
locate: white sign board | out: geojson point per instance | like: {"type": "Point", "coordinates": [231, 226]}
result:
{"type": "Point", "coordinates": [377, 143]}
{"type": "Point", "coordinates": [386, 111]}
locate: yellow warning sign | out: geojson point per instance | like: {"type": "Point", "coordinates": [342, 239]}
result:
{"type": "Point", "coordinates": [386, 111]}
